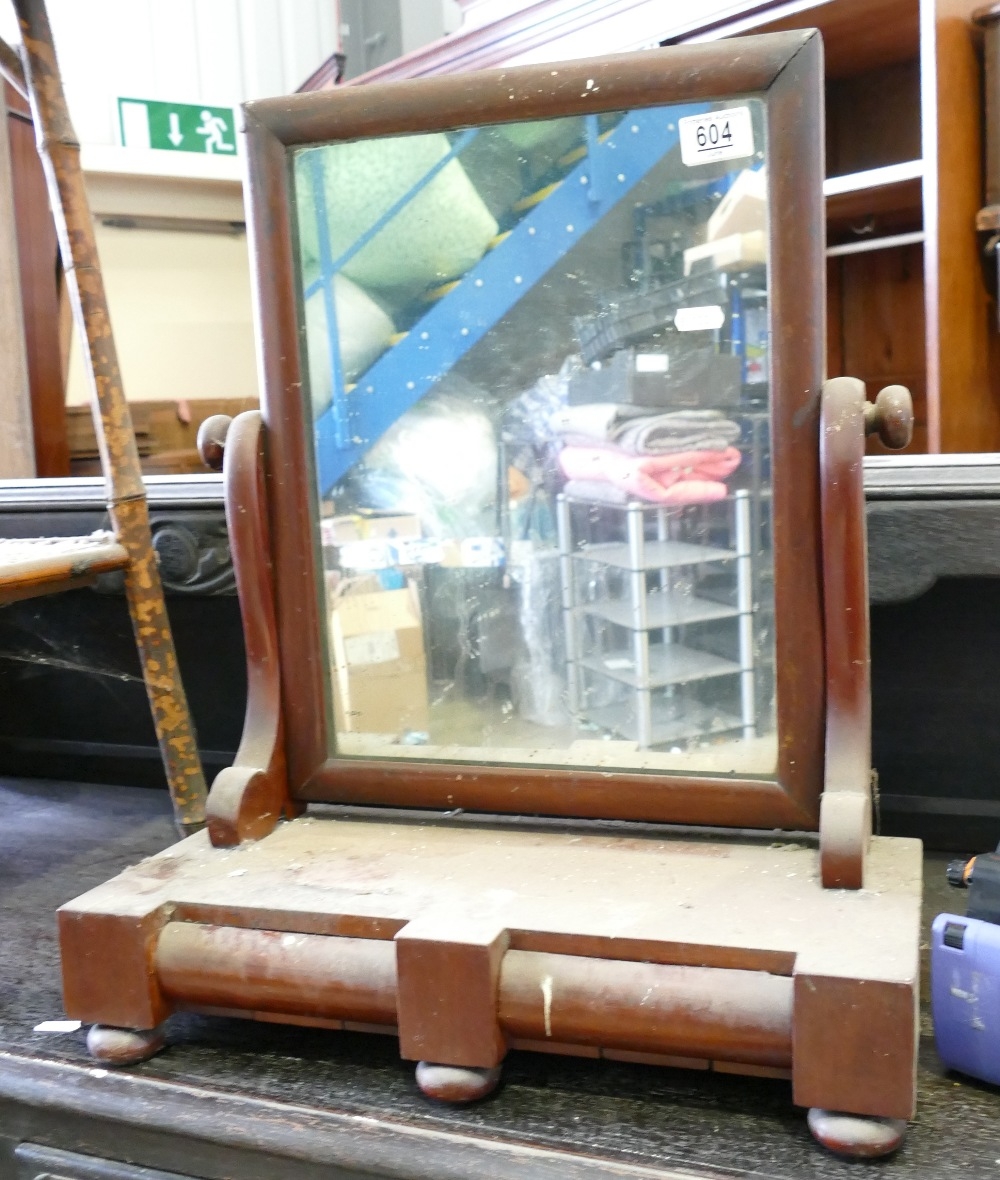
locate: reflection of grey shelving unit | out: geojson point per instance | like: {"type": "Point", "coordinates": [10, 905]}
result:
{"type": "Point", "coordinates": [659, 710]}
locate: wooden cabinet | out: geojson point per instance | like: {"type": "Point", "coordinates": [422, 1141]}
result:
{"type": "Point", "coordinates": [907, 300]}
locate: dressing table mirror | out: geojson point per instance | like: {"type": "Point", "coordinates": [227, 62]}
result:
{"type": "Point", "coordinates": [550, 547]}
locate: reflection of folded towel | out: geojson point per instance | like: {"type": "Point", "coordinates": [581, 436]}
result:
{"type": "Point", "coordinates": [656, 478]}
{"type": "Point", "coordinates": [683, 430]}
{"type": "Point", "coordinates": [688, 491]}
{"type": "Point", "coordinates": [599, 420]}
{"type": "Point", "coordinates": [640, 433]}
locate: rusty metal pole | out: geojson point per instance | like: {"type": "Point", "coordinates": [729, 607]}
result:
{"type": "Point", "coordinates": [126, 494]}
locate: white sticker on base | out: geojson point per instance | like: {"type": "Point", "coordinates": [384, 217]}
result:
{"type": "Point", "coordinates": [719, 135]}
{"type": "Point", "coordinates": [651, 362]}
{"type": "Point", "coordinates": [699, 319]}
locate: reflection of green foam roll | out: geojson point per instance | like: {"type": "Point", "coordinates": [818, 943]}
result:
{"type": "Point", "coordinates": [363, 330]}
{"type": "Point", "coordinates": [555, 134]}
{"type": "Point", "coordinates": [437, 236]}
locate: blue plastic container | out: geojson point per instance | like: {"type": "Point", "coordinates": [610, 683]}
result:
{"type": "Point", "coordinates": [965, 994]}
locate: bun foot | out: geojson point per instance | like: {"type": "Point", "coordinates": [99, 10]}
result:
{"type": "Point", "coordinates": [456, 1083]}
{"type": "Point", "coordinates": [123, 1046]}
{"type": "Point", "coordinates": [860, 1136]}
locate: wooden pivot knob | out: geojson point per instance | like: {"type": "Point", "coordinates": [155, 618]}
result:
{"type": "Point", "coordinates": [988, 15]}
{"type": "Point", "coordinates": [212, 440]}
{"type": "Point", "coordinates": [891, 417]}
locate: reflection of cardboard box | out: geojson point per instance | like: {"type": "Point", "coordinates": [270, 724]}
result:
{"type": "Point", "coordinates": [734, 250]}
{"type": "Point", "coordinates": [374, 526]}
{"type": "Point", "coordinates": [380, 555]}
{"type": "Point", "coordinates": [379, 665]}
{"type": "Point", "coordinates": [743, 209]}
{"type": "Point", "coordinates": [482, 551]}
{"type": "Point", "coordinates": [365, 555]}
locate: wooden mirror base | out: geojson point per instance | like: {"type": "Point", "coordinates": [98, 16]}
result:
{"type": "Point", "coordinates": [467, 939]}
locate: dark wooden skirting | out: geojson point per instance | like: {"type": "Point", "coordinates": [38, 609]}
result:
{"type": "Point", "coordinates": [359, 1145]}
{"type": "Point", "coordinates": [86, 494]}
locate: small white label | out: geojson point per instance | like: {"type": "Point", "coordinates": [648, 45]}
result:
{"type": "Point", "coordinates": [720, 135]}
{"type": "Point", "coordinates": [57, 1026]}
{"type": "Point", "coordinates": [365, 555]}
{"type": "Point", "coordinates": [482, 551]}
{"type": "Point", "coordinates": [376, 647]}
{"type": "Point", "coordinates": [699, 319]}
{"type": "Point", "coordinates": [651, 362]}
{"type": "Point", "coordinates": [415, 551]}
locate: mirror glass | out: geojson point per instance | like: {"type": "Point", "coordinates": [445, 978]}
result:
{"type": "Point", "coordinates": [537, 362]}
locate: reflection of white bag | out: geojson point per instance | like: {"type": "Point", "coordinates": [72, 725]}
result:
{"type": "Point", "coordinates": [538, 678]}
{"type": "Point", "coordinates": [438, 235]}
{"type": "Point", "coordinates": [363, 330]}
{"type": "Point", "coordinates": [438, 462]}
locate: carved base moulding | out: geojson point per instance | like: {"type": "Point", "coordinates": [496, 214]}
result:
{"type": "Point", "coordinates": [467, 940]}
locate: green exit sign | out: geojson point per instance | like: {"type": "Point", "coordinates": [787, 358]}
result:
{"type": "Point", "coordinates": [177, 126]}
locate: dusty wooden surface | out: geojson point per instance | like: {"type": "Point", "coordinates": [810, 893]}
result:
{"type": "Point", "coordinates": [561, 891]}
{"type": "Point", "coordinates": [612, 901]}
{"type": "Point", "coordinates": [274, 1087]}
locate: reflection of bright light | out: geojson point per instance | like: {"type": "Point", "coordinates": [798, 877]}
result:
{"type": "Point", "coordinates": [451, 458]}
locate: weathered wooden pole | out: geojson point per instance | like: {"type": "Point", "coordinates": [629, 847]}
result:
{"type": "Point", "coordinates": [126, 494]}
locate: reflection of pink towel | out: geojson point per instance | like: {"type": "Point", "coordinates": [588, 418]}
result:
{"type": "Point", "coordinates": [688, 491]}
{"type": "Point", "coordinates": [690, 477]}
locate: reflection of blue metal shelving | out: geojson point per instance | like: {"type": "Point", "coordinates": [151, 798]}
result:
{"type": "Point", "coordinates": [408, 371]}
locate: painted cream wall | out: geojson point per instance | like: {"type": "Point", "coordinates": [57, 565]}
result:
{"type": "Point", "coordinates": [180, 311]}
{"type": "Point", "coordinates": [180, 301]}
{"type": "Point", "coordinates": [219, 52]}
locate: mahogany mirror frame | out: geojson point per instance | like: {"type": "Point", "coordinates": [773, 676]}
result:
{"type": "Point", "coordinates": [786, 71]}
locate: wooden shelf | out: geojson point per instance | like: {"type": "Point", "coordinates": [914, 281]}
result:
{"type": "Point", "coordinates": [657, 555]}
{"type": "Point", "coordinates": [669, 663]}
{"type": "Point", "coordinates": [664, 608]}
{"type": "Point", "coordinates": [890, 179]}
{"type": "Point", "coordinates": [858, 35]}
{"type": "Point", "coordinates": [867, 244]}
{"type": "Point", "coordinates": [673, 721]}
{"type": "Point", "coordinates": [877, 202]}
